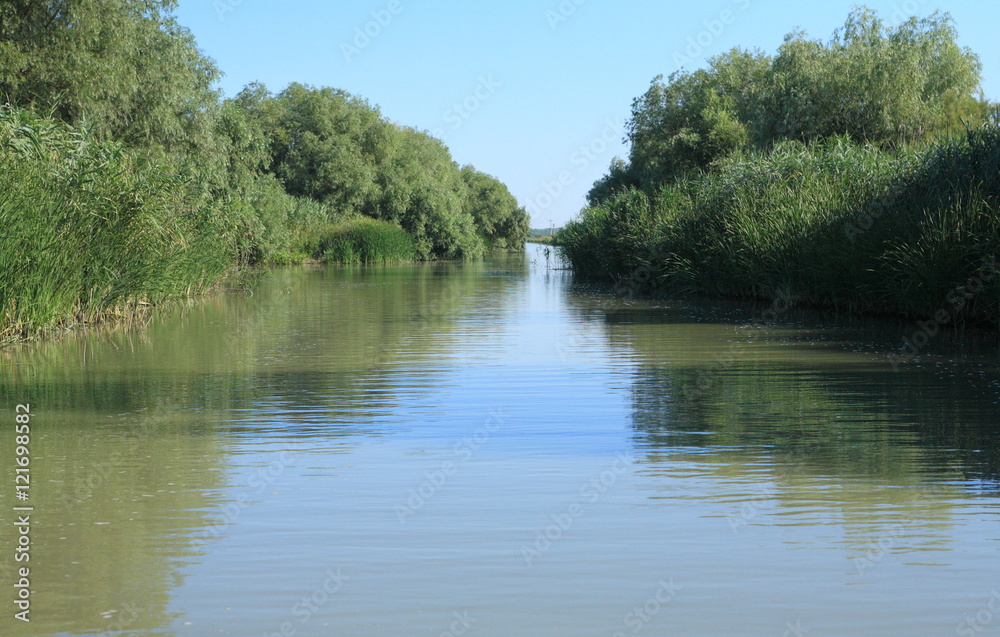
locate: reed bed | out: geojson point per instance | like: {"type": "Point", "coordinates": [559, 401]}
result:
{"type": "Point", "coordinates": [91, 232]}
{"type": "Point", "coordinates": [367, 241]}
{"type": "Point", "coordinates": [911, 233]}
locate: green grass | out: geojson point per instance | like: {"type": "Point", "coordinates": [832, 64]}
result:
{"type": "Point", "coordinates": [366, 241]}
{"type": "Point", "coordinates": [836, 224]}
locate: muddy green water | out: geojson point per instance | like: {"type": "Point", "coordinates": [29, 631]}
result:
{"type": "Point", "coordinates": [490, 449]}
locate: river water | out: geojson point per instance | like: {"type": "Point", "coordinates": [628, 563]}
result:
{"type": "Point", "coordinates": [492, 449]}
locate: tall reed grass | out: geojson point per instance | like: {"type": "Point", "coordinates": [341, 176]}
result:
{"type": "Point", "coordinates": [837, 224]}
{"type": "Point", "coordinates": [89, 231]}
{"type": "Point", "coordinates": [367, 241]}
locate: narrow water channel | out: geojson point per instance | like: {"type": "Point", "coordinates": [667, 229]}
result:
{"type": "Point", "coordinates": [492, 449]}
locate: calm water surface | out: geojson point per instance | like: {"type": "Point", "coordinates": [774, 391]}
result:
{"type": "Point", "coordinates": [490, 449]}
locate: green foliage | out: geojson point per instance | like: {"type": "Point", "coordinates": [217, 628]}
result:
{"type": "Point", "coordinates": [876, 84]}
{"type": "Point", "coordinates": [695, 118]}
{"type": "Point", "coordinates": [335, 148]}
{"type": "Point", "coordinates": [326, 145]}
{"type": "Point", "coordinates": [172, 187]}
{"type": "Point", "coordinates": [835, 170]}
{"type": "Point", "coordinates": [88, 229]}
{"type": "Point", "coordinates": [887, 86]}
{"type": "Point", "coordinates": [603, 240]}
{"type": "Point", "coordinates": [123, 66]}
{"type": "Point", "coordinates": [366, 241]}
{"type": "Point", "coordinates": [620, 178]}
{"type": "Point", "coordinates": [422, 190]}
{"type": "Point", "coordinates": [838, 224]}
{"type": "Point", "coordinates": [500, 221]}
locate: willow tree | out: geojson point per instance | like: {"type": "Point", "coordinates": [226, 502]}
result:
{"type": "Point", "coordinates": [878, 84]}
{"type": "Point", "coordinates": [335, 148]}
{"type": "Point", "coordinates": [325, 144]}
{"type": "Point", "coordinates": [125, 67]}
{"type": "Point", "coordinates": [694, 118]}
{"type": "Point", "coordinates": [423, 191]}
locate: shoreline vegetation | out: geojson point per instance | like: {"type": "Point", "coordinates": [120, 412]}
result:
{"type": "Point", "coordinates": [860, 175]}
{"type": "Point", "coordinates": [126, 179]}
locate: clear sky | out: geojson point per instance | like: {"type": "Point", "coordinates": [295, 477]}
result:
{"type": "Point", "coordinates": [533, 92]}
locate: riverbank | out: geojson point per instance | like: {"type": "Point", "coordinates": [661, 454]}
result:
{"type": "Point", "coordinates": [913, 233]}
{"type": "Point", "coordinates": [98, 232]}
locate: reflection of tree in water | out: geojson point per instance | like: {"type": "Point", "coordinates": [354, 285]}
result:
{"type": "Point", "coordinates": [115, 501]}
{"type": "Point", "coordinates": [833, 436]}
{"type": "Point", "coordinates": [821, 397]}
{"type": "Point", "coordinates": [837, 423]}
{"type": "Point", "coordinates": [843, 448]}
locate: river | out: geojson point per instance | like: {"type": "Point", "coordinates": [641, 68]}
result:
{"type": "Point", "coordinates": [494, 449]}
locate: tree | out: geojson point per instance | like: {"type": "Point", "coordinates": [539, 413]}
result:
{"type": "Point", "coordinates": [880, 85]}
{"type": "Point", "coordinates": [619, 179]}
{"type": "Point", "coordinates": [875, 84]}
{"type": "Point", "coordinates": [423, 191]}
{"type": "Point", "coordinates": [126, 68]}
{"type": "Point", "coordinates": [695, 118]}
{"type": "Point", "coordinates": [326, 145]}
{"type": "Point", "coordinates": [498, 218]}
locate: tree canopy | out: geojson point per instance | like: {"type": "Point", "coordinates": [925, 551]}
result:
{"type": "Point", "coordinates": [337, 149]}
{"type": "Point", "coordinates": [877, 84]}
{"type": "Point", "coordinates": [126, 68]}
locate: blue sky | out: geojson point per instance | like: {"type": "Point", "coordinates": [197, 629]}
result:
{"type": "Point", "coordinates": [533, 92]}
